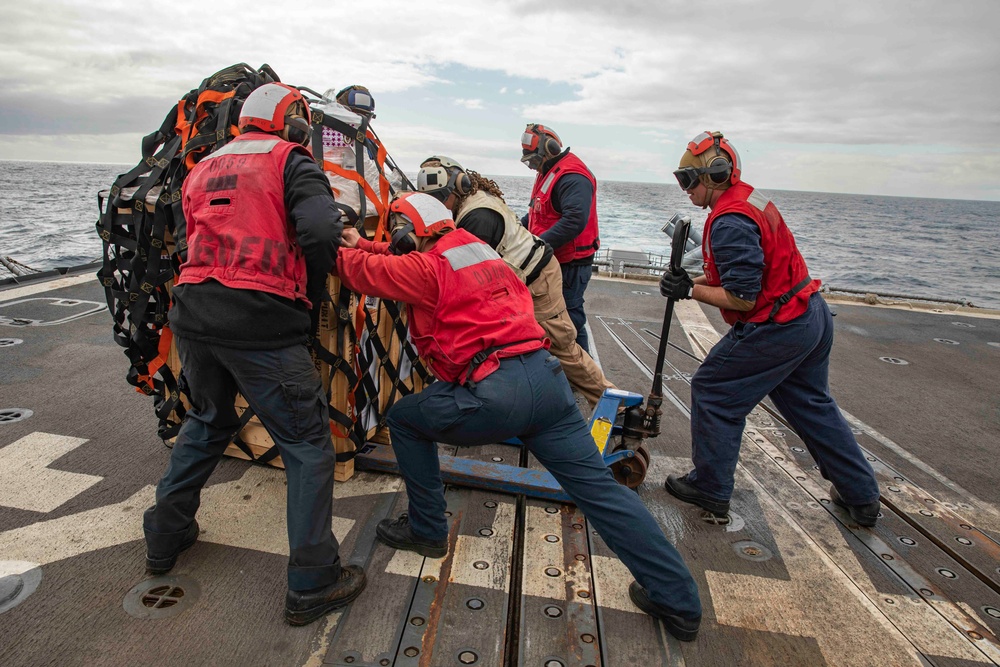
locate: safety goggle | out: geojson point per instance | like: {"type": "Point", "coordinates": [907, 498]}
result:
{"type": "Point", "coordinates": [687, 177]}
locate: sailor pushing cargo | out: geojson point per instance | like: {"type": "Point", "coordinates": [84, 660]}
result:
{"type": "Point", "coordinates": [470, 317]}
{"type": "Point", "coordinates": [262, 235]}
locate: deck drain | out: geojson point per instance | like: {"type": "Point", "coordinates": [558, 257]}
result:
{"type": "Point", "coordinates": [640, 292]}
{"type": "Point", "coordinates": [554, 663]}
{"type": "Point", "coordinates": [475, 604]}
{"type": "Point", "coordinates": [8, 342]}
{"type": "Point", "coordinates": [894, 360]}
{"type": "Point", "coordinates": [964, 325]}
{"type": "Point", "coordinates": [992, 612]}
{"type": "Point", "coordinates": [908, 541]}
{"type": "Point", "coordinates": [18, 580]}
{"type": "Point", "coordinates": [946, 573]}
{"type": "Point", "coordinates": [468, 657]}
{"type": "Point", "coordinates": [161, 597]}
{"type": "Point", "coordinates": [946, 341]}
{"type": "Point", "coordinates": [752, 551]}
{"type": "Point", "coordinates": [8, 415]}
{"type": "Point", "coordinates": [552, 611]}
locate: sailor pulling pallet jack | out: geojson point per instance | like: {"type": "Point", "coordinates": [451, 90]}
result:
{"type": "Point", "coordinates": [779, 344]}
{"type": "Point", "coordinates": [471, 320]}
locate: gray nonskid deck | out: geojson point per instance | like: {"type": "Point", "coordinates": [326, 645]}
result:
{"type": "Point", "coordinates": [790, 581]}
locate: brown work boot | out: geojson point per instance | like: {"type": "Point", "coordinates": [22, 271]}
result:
{"type": "Point", "coordinates": [304, 607]}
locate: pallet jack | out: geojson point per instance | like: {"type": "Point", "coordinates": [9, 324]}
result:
{"type": "Point", "coordinates": [618, 417]}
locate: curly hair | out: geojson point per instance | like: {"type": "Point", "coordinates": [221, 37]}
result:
{"type": "Point", "coordinates": [480, 182]}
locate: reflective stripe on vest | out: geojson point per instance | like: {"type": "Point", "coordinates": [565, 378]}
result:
{"type": "Point", "coordinates": [465, 256]}
{"type": "Point", "coordinates": [254, 147]}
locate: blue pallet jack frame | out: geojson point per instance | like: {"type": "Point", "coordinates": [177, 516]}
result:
{"type": "Point", "coordinates": [618, 413]}
{"type": "Point", "coordinates": [491, 476]}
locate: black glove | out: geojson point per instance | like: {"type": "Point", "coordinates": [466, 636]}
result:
{"type": "Point", "coordinates": [676, 285]}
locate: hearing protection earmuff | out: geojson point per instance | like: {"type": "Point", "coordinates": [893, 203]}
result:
{"type": "Point", "coordinates": [540, 140]}
{"type": "Point", "coordinates": [445, 174]}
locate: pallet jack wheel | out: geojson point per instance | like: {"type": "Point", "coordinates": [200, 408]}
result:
{"type": "Point", "coordinates": [630, 471]}
{"type": "Point", "coordinates": [641, 452]}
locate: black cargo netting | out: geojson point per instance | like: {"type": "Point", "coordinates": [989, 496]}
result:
{"type": "Point", "coordinates": [142, 229]}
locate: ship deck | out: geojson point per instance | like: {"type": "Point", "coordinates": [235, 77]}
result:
{"type": "Point", "coordinates": [790, 580]}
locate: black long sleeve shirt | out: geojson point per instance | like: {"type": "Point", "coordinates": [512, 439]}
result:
{"type": "Point", "coordinates": [252, 319]}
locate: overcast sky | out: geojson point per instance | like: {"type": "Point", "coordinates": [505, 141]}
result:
{"type": "Point", "coordinates": [893, 97]}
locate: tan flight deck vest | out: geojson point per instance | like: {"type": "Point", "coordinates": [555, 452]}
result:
{"type": "Point", "coordinates": [521, 249]}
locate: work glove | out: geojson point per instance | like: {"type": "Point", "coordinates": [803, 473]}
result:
{"type": "Point", "coordinates": [676, 284]}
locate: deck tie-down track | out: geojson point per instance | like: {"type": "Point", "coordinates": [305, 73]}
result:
{"type": "Point", "coordinates": [941, 556]}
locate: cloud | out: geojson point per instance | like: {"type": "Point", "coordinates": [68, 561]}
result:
{"type": "Point", "coordinates": [893, 79]}
{"type": "Point", "coordinates": [469, 104]}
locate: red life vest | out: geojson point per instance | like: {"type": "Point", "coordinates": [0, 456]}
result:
{"type": "Point", "coordinates": [484, 312]}
{"type": "Point", "coordinates": [784, 267]}
{"type": "Point", "coordinates": [237, 227]}
{"type": "Point", "coordinates": [542, 215]}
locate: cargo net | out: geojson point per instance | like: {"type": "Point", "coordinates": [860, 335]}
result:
{"type": "Point", "coordinates": [360, 351]}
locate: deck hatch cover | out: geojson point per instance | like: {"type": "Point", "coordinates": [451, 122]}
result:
{"type": "Point", "coordinates": [894, 360]}
{"type": "Point", "coordinates": [9, 342]}
{"type": "Point", "coordinates": [9, 415]}
{"type": "Point", "coordinates": [18, 580]}
{"type": "Point", "coordinates": [161, 597]}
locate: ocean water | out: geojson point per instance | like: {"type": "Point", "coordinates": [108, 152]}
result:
{"type": "Point", "coordinates": [923, 247]}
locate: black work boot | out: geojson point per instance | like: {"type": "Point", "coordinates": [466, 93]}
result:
{"type": "Point", "coordinates": [304, 607]}
{"type": "Point", "coordinates": [685, 629]}
{"type": "Point", "coordinates": [864, 515]}
{"type": "Point", "coordinates": [157, 564]}
{"type": "Point", "coordinates": [680, 487]}
{"type": "Point", "coordinates": [398, 533]}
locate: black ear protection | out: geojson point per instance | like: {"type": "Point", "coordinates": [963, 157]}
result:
{"type": "Point", "coordinates": [719, 169]}
{"type": "Point", "coordinates": [548, 146]}
{"type": "Point", "coordinates": [299, 131]}
{"type": "Point", "coordinates": [403, 240]}
{"type": "Point", "coordinates": [551, 147]}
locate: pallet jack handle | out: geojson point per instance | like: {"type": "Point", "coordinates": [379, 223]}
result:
{"type": "Point", "coordinates": [678, 244]}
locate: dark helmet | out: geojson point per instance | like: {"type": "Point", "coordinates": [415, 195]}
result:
{"type": "Point", "coordinates": [358, 99]}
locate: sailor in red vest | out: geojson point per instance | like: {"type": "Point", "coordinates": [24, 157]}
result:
{"type": "Point", "coordinates": [261, 236]}
{"type": "Point", "coordinates": [563, 213]}
{"type": "Point", "coordinates": [779, 344]}
{"type": "Point", "coordinates": [478, 207]}
{"type": "Point", "coordinates": [470, 318]}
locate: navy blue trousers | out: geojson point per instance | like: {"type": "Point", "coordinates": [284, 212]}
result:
{"type": "Point", "coordinates": [790, 363]}
{"type": "Point", "coordinates": [575, 281]}
{"type": "Point", "coordinates": [529, 397]}
{"type": "Point", "coordinates": [284, 390]}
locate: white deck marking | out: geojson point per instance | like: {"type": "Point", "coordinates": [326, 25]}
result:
{"type": "Point", "coordinates": [828, 589]}
{"type": "Point", "coordinates": [612, 579]}
{"type": "Point", "coordinates": [227, 516]}
{"type": "Point", "coordinates": [48, 285]}
{"type": "Point", "coordinates": [26, 481]}
{"type": "Point", "coordinates": [469, 549]}
{"type": "Point", "coordinates": [541, 556]}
